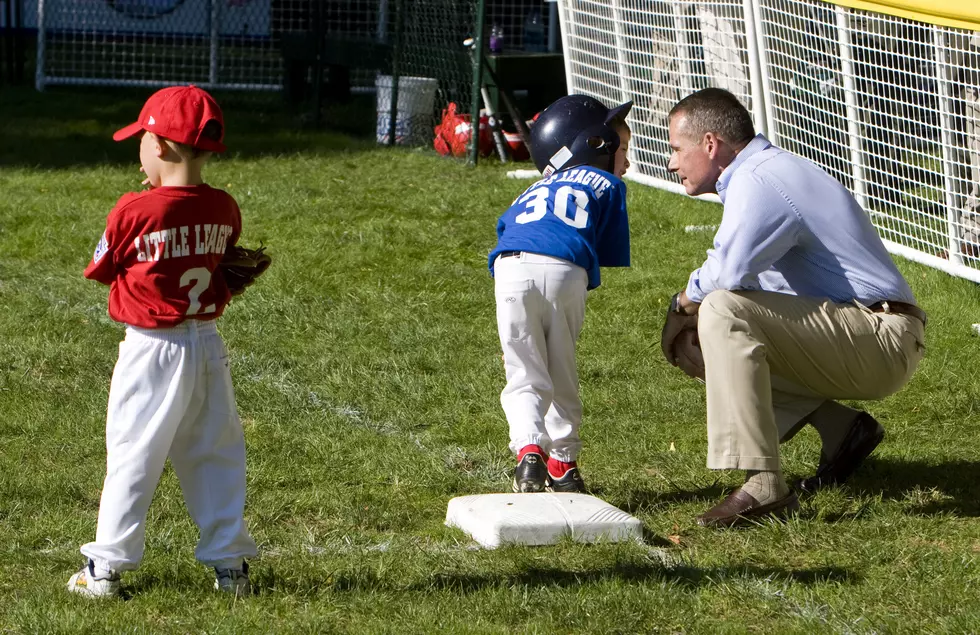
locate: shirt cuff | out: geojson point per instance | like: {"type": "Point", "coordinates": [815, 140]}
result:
{"type": "Point", "coordinates": [694, 293]}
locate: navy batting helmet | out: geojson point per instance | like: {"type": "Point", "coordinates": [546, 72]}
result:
{"type": "Point", "coordinates": [575, 131]}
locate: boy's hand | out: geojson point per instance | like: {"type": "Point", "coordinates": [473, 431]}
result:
{"type": "Point", "coordinates": [146, 181]}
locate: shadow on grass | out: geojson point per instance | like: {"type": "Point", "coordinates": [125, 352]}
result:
{"type": "Point", "coordinates": [645, 501]}
{"type": "Point", "coordinates": [924, 488]}
{"type": "Point", "coordinates": [465, 583]}
{"type": "Point", "coordinates": [689, 577]}
{"type": "Point", "coordinates": [72, 126]}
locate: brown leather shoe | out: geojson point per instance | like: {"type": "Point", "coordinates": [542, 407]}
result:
{"type": "Point", "coordinates": [741, 508]}
{"type": "Point", "coordinates": [861, 440]}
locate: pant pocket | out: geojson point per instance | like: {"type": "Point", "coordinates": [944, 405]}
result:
{"type": "Point", "coordinates": [859, 321]}
{"type": "Point", "coordinates": [512, 308]}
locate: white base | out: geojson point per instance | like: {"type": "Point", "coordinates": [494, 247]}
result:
{"type": "Point", "coordinates": [523, 174]}
{"type": "Point", "coordinates": [540, 519]}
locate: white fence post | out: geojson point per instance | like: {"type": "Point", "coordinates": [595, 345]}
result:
{"type": "Point", "coordinates": [679, 39]}
{"type": "Point", "coordinates": [945, 130]}
{"type": "Point", "coordinates": [768, 126]}
{"type": "Point", "coordinates": [620, 51]}
{"type": "Point", "coordinates": [624, 88]}
{"type": "Point", "coordinates": [850, 105]}
{"type": "Point", "coordinates": [753, 44]}
{"type": "Point", "coordinates": [567, 25]}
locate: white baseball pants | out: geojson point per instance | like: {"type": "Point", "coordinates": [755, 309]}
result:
{"type": "Point", "coordinates": [171, 395]}
{"type": "Point", "coordinates": [540, 313]}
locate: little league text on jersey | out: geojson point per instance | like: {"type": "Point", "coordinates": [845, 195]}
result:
{"type": "Point", "coordinates": [585, 176]}
{"type": "Point", "coordinates": [173, 242]}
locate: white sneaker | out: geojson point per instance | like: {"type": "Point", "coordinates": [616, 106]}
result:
{"type": "Point", "coordinates": [234, 581]}
{"type": "Point", "coordinates": [87, 582]}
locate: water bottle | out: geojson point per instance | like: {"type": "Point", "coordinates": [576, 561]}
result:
{"type": "Point", "coordinates": [534, 35]}
{"type": "Point", "coordinates": [496, 39]}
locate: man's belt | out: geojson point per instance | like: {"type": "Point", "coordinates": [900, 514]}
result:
{"type": "Point", "coordinates": [891, 306]}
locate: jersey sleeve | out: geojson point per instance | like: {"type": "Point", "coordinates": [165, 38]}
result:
{"type": "Point", "coordinates": [102, 267]}
{"type": "Point", "coordinates": [613, 231]}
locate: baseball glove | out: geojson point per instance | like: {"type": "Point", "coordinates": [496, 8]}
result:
{"type": "Point", "coordinates": [241, 266]}
{"type": "Point", "coordinates": [674, 325]}
{"type": "Point", "coordinates": [688, 354]}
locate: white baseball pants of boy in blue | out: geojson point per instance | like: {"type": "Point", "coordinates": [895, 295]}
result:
{"type": "Point", "coordinates": [540, 313]}
{"type": "Point", "coordinates": [171, 396]}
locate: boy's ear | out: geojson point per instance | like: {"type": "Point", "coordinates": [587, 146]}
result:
{"type": "Point", "coordinates": [159, 145]}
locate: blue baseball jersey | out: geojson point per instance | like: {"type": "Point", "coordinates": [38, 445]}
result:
{"type": "Point", "coordinates": [577, 215]}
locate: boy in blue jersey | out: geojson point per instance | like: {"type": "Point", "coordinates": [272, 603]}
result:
{"type": "Point", "coordinates": [551, 242]}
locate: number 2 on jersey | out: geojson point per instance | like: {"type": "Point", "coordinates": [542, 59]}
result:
{"type": "Point", "coordinates": [537, 206]}
{"type": "Point", "coordinates": [201, 278]}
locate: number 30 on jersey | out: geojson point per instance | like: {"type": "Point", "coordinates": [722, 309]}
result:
{"type": "Point", "coordinates": [536, 206]}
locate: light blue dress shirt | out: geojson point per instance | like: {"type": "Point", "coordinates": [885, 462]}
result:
{"type": "Point", "coordinates": [790, 227]}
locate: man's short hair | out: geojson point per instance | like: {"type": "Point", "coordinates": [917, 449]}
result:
{"type": "Point", "coordinates": [715, 110]}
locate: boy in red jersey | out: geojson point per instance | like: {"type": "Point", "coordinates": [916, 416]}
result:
{"type": "Point", "coordinates": [171, 392]}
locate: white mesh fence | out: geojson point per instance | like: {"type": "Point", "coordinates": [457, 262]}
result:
{"type": "Point", "coordinates": [654, 53]}
{"type": "Point", "coordinates": [236, 44]}
{"type": "Point", "coordinates": [889, 106]}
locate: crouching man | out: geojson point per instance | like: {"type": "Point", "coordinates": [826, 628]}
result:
{"type": "Point", "coordinates": [797, 305]}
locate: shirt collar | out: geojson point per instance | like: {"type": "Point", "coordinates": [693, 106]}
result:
{"type": "Point", "coordinates": [758, 144]}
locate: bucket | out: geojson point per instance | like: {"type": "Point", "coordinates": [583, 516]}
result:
{"type": "Point", "coordinates": [416, 103]}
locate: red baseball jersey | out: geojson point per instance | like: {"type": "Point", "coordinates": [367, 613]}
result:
{"type": "Point", "coordinates": [159, 253]}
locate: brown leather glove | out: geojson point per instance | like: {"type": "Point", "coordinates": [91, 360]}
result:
{"type": "Point", "coordinates": [241, 266]}
{"type": "Point", "coordinates": [688, 354]}
{"type": "Point", "coordinates": [673, 325]}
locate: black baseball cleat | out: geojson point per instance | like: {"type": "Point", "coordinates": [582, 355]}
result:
{"type": "Point", "coordinates": [530, 474]}
{"type": "Point", "coordinates": [570, 482]}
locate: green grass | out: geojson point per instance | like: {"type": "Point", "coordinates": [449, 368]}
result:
{"type": "Point", "coordinates": [367, 372]}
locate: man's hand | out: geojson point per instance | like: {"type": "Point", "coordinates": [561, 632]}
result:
{"type": "Point", "coordinates": [679, 318]}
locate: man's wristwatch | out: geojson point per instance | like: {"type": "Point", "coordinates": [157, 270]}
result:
{"type": "Point", "coordinates": [675, 304]}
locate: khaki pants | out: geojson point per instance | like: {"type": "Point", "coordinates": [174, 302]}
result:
{"type": "Point", "coordinates": [771, 359]}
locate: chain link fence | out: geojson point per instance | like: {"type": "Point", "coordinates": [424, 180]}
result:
{"type": "Point", "coordinates": [231, 44]}
{"type": "Point", "coordinates": [409, 53]}
{"type": "Point", "coordinates": [311, 50]}
{"type": "Point", "coordinates": [433, 67]}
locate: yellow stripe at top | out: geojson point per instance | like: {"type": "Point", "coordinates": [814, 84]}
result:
{"type": "Point", "coordinates": [959, 14]}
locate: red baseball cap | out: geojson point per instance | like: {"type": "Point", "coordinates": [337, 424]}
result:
{"type": "Point", "coordinates": [179, 113]}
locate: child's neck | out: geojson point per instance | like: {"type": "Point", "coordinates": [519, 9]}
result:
{"type": "Point", "coordinates": [181, 174]}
